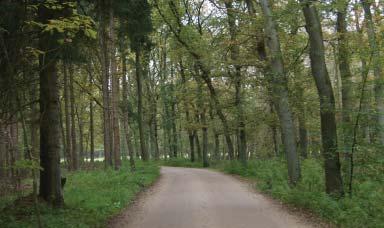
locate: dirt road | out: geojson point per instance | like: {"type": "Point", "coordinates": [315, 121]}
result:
{"type": "Point", "coordinates": [199, 198]}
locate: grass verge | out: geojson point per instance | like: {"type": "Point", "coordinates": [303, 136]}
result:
{"type": "Point", "coordinates": [91, 198]}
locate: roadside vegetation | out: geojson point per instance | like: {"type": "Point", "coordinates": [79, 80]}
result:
{"type": "Point", "coordinates": [92, 198]}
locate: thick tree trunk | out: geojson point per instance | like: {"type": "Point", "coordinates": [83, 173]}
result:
{"type": "Point", "coordinates": [125, 112]}
{"type": "Point", "coordinates": [115, 93]}
{"type": "Point", "coordinates": [103, 5]}
{"type": "Point", "coordinates": [377, 70]}
{"type": "Point", "coordinates": [139, 75]}
{"type": "Point", "coordinates": [280, 89]}
{"type": "Point", "coordinates": [333, 180]}
{"type": "Point", "coordinates": [50, 177]}
{"type": "Point", "coordinates": [67, 118]}
{"type": "Point", "coordinates": [346, 78]}
{"type": "Point", "coordinates": [235, 51]}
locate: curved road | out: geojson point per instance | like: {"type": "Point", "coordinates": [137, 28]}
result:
{"type": "Point", "coordinates": [200, 198]}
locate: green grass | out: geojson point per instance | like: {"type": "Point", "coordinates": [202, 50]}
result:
{"type": "Point", "coordinates": [91, 198]}
{"type": "Point", "coordinates": [364, 209]}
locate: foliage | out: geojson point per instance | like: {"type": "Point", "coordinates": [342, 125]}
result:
{"type": "Point", "coordinates": [91, 198]}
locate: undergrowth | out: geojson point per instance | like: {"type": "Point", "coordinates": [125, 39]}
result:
{"type": "Point", "coordinates": [91, 198]}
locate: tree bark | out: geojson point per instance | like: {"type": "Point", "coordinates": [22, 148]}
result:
{"type": "Point", "coordinates": [67, 118]}
{"type": "Point", "coordinates": [50, 176]}
{"type": "Point", "coordinates": [103, 33]}
{"type": "Point", "coordinates": [346, 78]}
{"type": "Point", "coordinates": [333, 180]}
{"type": "Point", "coordinates": [279, 85]}
{"type": "Point", "coordinates": [81, 137]}
{"type": "Point", "coordinates": [115, 92]}
{"type": "Point", "coordinates": [125, 118]}
{"type": "Point", "coordinates": [91, 124]}
{"type": "Point", "coordinates": [139, 75]}
{"type": "Point", "coordinates": [197, 143]}
{"type": "Point", "coordinates": [74, 156]}
{"type": "Point", "coordinates": [204, 127]}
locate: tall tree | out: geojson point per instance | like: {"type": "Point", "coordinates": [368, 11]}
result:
{"type": "Point", "coordinates": [115, 90]}
{"type": "Point", "coordinates": [333, 180]}
{"type": "Point", "coordinates": [237, 76]}
{"type": "Point", "coordinates": [50, 175]}
{"type": "Point", "coordinates": [103, 6]}
{"type": "Point", "coordinates": [280, 93]}
{"type": "Point", "coordinates": [68, 137]}
{"type": "Point", "coordinates": [75, 155]}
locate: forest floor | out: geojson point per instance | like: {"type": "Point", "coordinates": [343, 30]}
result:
{"type": "Point", "coordinates": [195, 198]}
{"type": "Point", "coordinates": [91, 196]}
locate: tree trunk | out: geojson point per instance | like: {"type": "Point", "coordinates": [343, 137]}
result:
{"type": "Point", "coordinates": [115, 93]}
{"type": "Point", "coordinates": [187, 112]}
{"type": "Point", "coordinates": [155, 133]}
{"type": "Point", "coordinates": [346, 78]}
{"type": "Point", "coordinates": [280, 89]}
{"type": "Point", "coordinates": [67, 118]}
{"type": "Point", "coordinates": [197, 143]}
{"type": "Point", "coordinates": [81, 137]}
{"type": "Point", "coordinates": [204, 127]}
{"type": "Point", "coordinates": [235, 51]}
{"type": "Point", "coordinates": [50, 177]}
{"type": "Point", "coordinates": [333, 180]}
{"type": "Point", "coordinates": [174, 130]}
{"type": "Point", "coordinates": [75, 163]}
{"type": "Point", "coordinates": [103, 33]}
{"type": "Point", "coordinates": [125, 112]}
{"type": "Point", "coordinates": [377, 70]}
{"type": "Point", "coordinates": [144, 152]}
{"type": "Point", "coordinates": [207, 79]}
{"type": "Point", "coordinates": [91, 124]}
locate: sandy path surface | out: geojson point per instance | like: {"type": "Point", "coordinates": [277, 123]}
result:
{"type": "Point", "coordinates": [199, 198]}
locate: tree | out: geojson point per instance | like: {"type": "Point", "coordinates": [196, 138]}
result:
{"type": "Point", "coordinates": [333, 180]}
{"type": "Point", "coordinates": [50, 175]}
{"type": "Point", "coordinates": [377, 70]}
{"type": "Point", "coordinates": [280, 93]}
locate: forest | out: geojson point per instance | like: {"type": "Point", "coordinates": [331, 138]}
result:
{"type": "Point", "coordinates": [98, 99]}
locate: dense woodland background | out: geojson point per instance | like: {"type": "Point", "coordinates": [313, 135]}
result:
{"type": "Point", "coordinates": [293, 87]}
